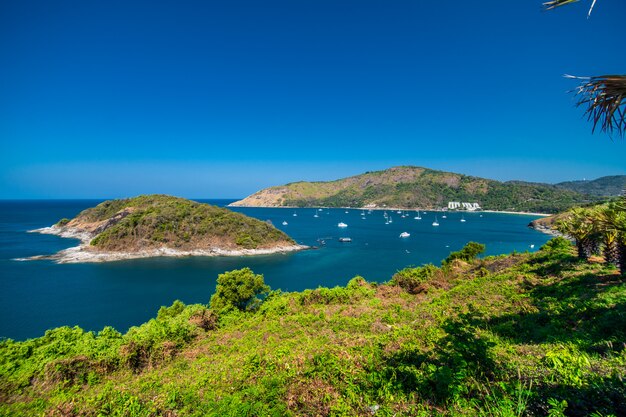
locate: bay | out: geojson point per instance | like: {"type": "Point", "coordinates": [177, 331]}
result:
{"type": "Point", "coordinates": [39, 295]}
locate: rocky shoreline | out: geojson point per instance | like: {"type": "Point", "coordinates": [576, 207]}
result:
{"type": "Point", "coordinates": [84, 254]}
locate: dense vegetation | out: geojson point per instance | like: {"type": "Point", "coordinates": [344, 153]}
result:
{"type": "Point", "coordinates": [414, 187]}
{"type": "Point", "coordinates": [523, 334]}
{"type": "Point", "coordinates": [597, 230]}
{"type": "Point", "coordinates": [614, 185]}
{"type": "Point", "coordinates": [160, 220]}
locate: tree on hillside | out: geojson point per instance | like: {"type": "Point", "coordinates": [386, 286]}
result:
{"type": "Point", "coordinates": [603, 96]}
{"type": "Point", "coordinates": [606, 220]}
{"type": "Point", "coordinates": [238, 289]}
{"type": "Point", "coordinates": [578, 225]}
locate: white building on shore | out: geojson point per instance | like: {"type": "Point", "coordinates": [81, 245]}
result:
{"type": "Point", "coordinates": [456, 205]}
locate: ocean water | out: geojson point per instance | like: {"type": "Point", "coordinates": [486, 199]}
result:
{"type": "Point", "coordinates": [39, 295]}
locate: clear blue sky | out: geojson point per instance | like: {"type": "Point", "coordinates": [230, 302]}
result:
{"type": "Point", "coordinates": [213, 99]}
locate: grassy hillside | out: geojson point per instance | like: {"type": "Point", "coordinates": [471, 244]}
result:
{"type": "Point", "coordinates": [605, 186]}
{"type": "Point", "coordinates": [158, 220]}
{"type": "Point", "coordinates": [524, 334]}
{"type": "Point", "coordinates": [414, 187]}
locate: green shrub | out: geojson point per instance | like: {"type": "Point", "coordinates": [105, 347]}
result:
{"type": "Point", "coordinates": [238, 289]}
{"type": "Point", "coordinates": [469, 252]}
{"type": "Point", "coordinates": [414, 280]}
{"type": "Point", "coordinates": [557, 244]}
{"type": "Point", "coordinates": [63, 222]}
{"type": "Point", "coordinates": [174, 310]}
{"type": "Point", "coordinates": [357, 288]}
{"type": "Point", "coordinates": [246, 242]}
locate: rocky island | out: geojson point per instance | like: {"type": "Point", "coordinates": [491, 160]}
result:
{"type": "Point", "coordinates": [161, 225]}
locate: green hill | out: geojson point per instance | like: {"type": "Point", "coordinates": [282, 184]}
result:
{"type": "Point", "coordinates": [603, 187]}
{"type": "Point", "coordinates": [518, 335]}
{"type": "Point", "coordinates": [159, 221]}
{"type": "Point", "coordinates": [414, 187]}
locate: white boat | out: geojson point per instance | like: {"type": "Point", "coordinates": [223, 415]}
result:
{"type": "Point", "coordinates": [462, 219]}
{"type": "Point", "coordinates": [285, 223]}
{"type": "Point", "coordinates": [295, 214]}
{"type": "Point", "coordinates": [444, 217]}
{"type": "Point", "coordinates": [316, 215]}
{"type": "Point", "coordinates": [320, 209]}
{"type": "Point", "coordinates": [346, 211]}
{"type": "Point", "coordinates": [435, 223]}
{"type": "Point", "coordinates": [405, 234]}
{"type": "Point", "coordinates": [342, 224]}
{"type": "Point", "coordinates": [345, 239]}
{"type": "Point", "coordinates": [390, 219]}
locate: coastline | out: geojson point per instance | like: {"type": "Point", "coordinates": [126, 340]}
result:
{"type": "Point", "coordinates": [82, 253]}
{"type": "Point", "coordinates": [524, 213]}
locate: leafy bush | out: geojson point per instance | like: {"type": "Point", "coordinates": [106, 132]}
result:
{"type": "Point", "coordinates": [159, 339]}
{"type": "Point", "coordinates": [469, 252]}
{"type": "Point", "coordinates": [356, 288]}
{"type": "Point", "coordinates": [238, 289]}
{"type": "Point", "coordinates": [172, 311]}
{"type": "Point", "coordinates": [414, 280]}
{"type": "Point", "coordinates": [63, 222]}
{"type": "Point", "coordinates": [557, 245]}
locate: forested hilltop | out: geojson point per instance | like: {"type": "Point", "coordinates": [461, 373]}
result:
{"type": "Point", "coordinates": [610, 186]}
{"type": "Point", "coordinates": [523, 334]}
{"type": "Point", "coordinates": [160, 221]}
{"type": "Point", "coordinates": [415, 187]}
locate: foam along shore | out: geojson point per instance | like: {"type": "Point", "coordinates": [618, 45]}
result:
{"type": "Point", "coordinates": [84, 254]}
{"type": "Point", "coordinates": [524, 213]}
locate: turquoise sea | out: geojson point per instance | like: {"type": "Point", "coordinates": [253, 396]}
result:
{"type": "Point", "coordinates": [38, 295]}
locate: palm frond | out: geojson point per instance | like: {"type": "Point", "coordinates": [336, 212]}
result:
{"type": "Point", "coordinates": [553, 4]}
{"type": "Point", "coordinates": [604, 97]}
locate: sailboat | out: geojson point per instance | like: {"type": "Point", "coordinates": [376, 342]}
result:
{"type": "Point", "coordinates": [295, 214]}
{"type": "Point", "coordinates": [285, 223]}
{"type": "Point", "coordinates": [462, 219]}
{"type": "Point", "coordinates": [435, 223]}
{"type": "Point", "coordinates": [418, 217]}
{"type": "Point", "coordinates": [316, 215]}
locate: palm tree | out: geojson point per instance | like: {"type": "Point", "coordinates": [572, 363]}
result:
{"type": "Point", "coordinates": [578, 225]}
{"type": "Point", "coordinates": [606, 219]}
{"type": "Point", "coordinates": [620, 225]}
{"type": "Point", "coordinates": [604, 96]}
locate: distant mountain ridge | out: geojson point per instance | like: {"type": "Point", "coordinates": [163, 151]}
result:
{"type": "Point", "coordinates": [416, 187]}
{"type": "Point", "coordinates": [610, 186]}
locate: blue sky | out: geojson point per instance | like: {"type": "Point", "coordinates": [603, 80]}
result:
{"type": "Point", "coordinates": [210, 99]}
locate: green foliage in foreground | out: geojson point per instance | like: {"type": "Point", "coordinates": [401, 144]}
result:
{"type": "Point", "coordinates": [526, 334]}
{"type": "Point", "coordinates": [468, 253]}
{"type": "Point", "coordinates": [238, 289]}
